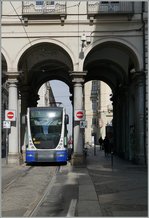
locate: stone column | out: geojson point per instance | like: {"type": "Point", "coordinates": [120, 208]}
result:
{"type": "Point", "coordinates": [13, 150]}
{"type": "Point", "coordinates": [139, 122]}
{"type": "Point", "coordinates": [78, 80]}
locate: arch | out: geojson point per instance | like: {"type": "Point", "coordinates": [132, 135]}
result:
{"type": "Point", "coordinates": [42, 53]}
{"type": "Point", "coordinates": [114, 70]}
{"type": "Point", "coordinates": [40, 63]}
{"type": "Point", "coordinates": [44, 61]}
{"type": "Point", "coordinates": [6, 58]}
{"type": "Point", "coordinates": [122, 42]}
{"type": "Point", "coordinates": [53, 76]}
{"type": "Point", "coordinates": [45, 40]}
{"type": "Point", "coordinates": [109, 73]}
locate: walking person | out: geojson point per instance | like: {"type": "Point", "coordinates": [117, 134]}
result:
{"type": "Point", "coordinates": [100, 143]}
{"type": "Point", "coordinates": [106, 143]}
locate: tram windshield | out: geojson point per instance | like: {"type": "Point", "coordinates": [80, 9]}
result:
{"type": "Point", "coordinates": [46, 127]}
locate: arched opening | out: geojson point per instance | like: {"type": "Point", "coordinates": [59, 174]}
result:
{"type": "Point", "coordinates": [113, 63]}
{"type": "Point", "coordinates": [40, 64]}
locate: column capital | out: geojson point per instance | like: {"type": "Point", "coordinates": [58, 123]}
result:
{"type": "Point", "coordinates": [13, 73]}
{"type": "Point", "coordinates": [13, 76]}
{"type": "Point", "coordinates": [138, 74]}
{"type": "Point", "coordinates": [78, 76]}
{"type": "Point", "coordinates": [140, 78]}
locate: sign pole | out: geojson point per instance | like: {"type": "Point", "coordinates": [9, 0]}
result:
{"type": "Point", "coordinates": [7, 132]}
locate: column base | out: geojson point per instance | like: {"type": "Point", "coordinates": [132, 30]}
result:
{"type": "Point", "coordinates": [78, 160]}
{"type": "Point", "coordinates": [15, 159]}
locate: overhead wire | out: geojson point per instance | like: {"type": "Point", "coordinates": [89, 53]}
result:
{"type": "Point", "coordinates": [21, 22]}
{"type": "Point", "coordinates": [57, 10]}
{"type": "Point", "coordinates": [78, 31]}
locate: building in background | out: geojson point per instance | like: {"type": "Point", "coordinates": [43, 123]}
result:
{"type": "Point", "coordinates": [46, 97]}
{"type": "Point", "coordinates": [99, 110]}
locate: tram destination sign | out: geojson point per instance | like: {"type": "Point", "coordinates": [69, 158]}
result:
{"type": "Point", "coordinates": [10, 115]}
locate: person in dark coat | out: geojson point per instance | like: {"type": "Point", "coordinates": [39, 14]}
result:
{"type": "Point", "coordinates": [106, 143]}
{"type": "Point", "coordinates": [100, 143]}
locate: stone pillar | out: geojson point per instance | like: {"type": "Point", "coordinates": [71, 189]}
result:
{"type": "Point", "coordinates": [78, 80]}
{"type": "Point", "coordinates": [13, 150]}
{"type": "Point", "coordinates": [139, 122]}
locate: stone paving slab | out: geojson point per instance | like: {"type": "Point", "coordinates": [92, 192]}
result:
{"type": "Point", "coordinates": [88, 208]}
{"type": "Point", "coordinates": [121, 190]}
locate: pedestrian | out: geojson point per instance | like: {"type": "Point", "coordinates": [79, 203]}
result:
{"type": "Point", "coordinates": [106, 143]}
{"type": "Point", "coordinates": [100, 143]}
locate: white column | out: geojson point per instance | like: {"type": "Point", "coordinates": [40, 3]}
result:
{"type": "Point", "coordinates": [13, 150]}
{"type": "Point", "coordinates": [78, 105]}
{"type": "Point", "coordinates": [78, 80]}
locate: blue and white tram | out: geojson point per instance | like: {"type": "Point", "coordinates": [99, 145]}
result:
{"type": "Point", "coordinates": [46, 134]}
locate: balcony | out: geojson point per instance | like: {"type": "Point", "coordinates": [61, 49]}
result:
{"type": "Point", "coordinates": [42, 8]}
{"type": "Point", "coordinates": [96, 8]}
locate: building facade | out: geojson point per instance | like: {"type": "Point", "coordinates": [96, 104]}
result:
{"type": "Point", "coordinates": [77, 42]}
{"type": "Point", "coordinates": [46, 96]}
{"type": "Point", "coordinates": [98, 109]}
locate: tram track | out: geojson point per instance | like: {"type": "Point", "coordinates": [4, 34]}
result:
{"type": "Point", "coordinates": [37, 205]}
{"type": "Point", "coordinates": [33, 208]}
{"type": "Point", "coordinates": [38, 191]}
{"type": "Point", "coordinates": [25, 188]}
{"type": "Point", "coordinates": [6, 187]}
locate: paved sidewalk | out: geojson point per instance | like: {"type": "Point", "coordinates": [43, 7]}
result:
{"type": "Point", "coordinates": [101, 190]}
{"type": "Point", "coordinates": [122, 189]}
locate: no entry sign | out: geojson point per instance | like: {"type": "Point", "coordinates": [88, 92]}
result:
{"type": "Point", "coordinates": [79, 115]}
{"type": "Point", "coordinates": [10, 115]}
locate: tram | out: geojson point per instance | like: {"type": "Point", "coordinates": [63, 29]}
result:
{"type": "Point", "coordinates": [46, 135]}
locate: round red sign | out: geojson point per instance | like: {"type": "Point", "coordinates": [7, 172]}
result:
{"type": "Point", "coordinates": [79, 114]}
{"type": "Point", "coordinates": [10, 115]}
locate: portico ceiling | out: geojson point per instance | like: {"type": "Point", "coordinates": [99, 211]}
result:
{"type": "Point", "coordinates": [109, 62]}
{"type": "Point", "coordinates": [44, 62]}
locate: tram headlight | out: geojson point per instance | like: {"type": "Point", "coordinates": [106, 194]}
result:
{"type": "Point", "coordinates": [51, 114]}
{"type": "Point", "coordinates": [61, 155]}
{"type": "Point", "coordinates": [30, 155]}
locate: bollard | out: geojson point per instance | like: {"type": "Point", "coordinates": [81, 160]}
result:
{"type": "Point", "coordinates": [7, 141]}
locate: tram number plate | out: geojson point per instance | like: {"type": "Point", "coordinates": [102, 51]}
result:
{"type": "Point", "coordinates": [45, 156]}
{"type": "Point", "coordinates": [50, 155]}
